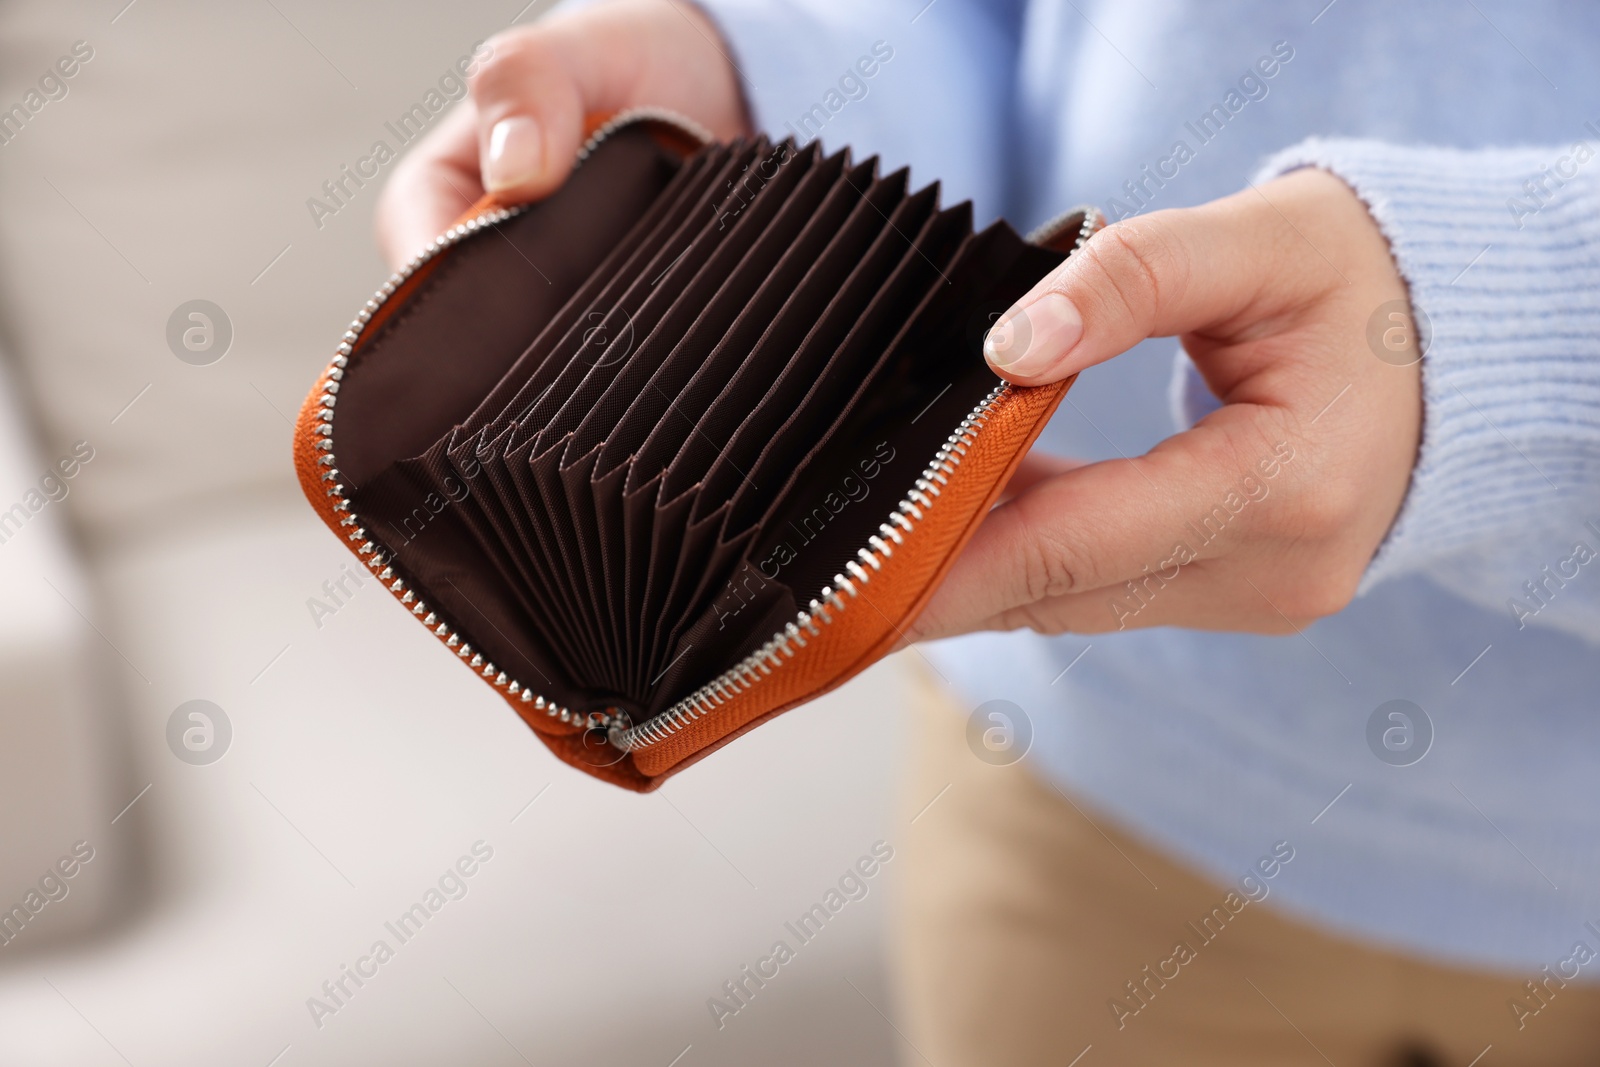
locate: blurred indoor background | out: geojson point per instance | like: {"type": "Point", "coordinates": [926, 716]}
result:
{"type": "Point", "coordinates": [341, 764]}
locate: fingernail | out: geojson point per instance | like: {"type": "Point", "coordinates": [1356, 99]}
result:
{"type": "Point", "coordinates": [1036, 338]}
{"type": "Point", "coordinates": [515, 154]}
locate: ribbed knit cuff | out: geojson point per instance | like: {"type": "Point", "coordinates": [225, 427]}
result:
{"type": "Point", "coordinates": [1508, 274]}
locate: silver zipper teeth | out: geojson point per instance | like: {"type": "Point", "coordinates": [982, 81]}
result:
{"type": "Point", "coordinates": [758, 664]}
{"type": "Point", "coordinates": [1091, 223]}
{"type": "Point", "coordinates": [370, 549]}
{"type": "Point", "coordinates": [372, 552]}
{"type": "Point", "coordinates": [643, 114]}
{"type": "Point", "coordinates": [772, 655]}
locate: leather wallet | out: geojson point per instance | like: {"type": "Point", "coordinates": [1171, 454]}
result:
{"type": "Point", "coordinates": [687, 443]}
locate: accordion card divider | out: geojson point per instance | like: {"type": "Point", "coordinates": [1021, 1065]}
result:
{"type": "Point", "coordinates": [705, 370]}
{"type": "Point", "coordinates": [495, 429]}
{"type": "Point", "coordinates": [720, 342]}
{"type": "Point", "coordinates": [554, 439]}
{"type": "Point", "coordinates": [655, 228]}
{"type": "Point", "coordinates": [666, 277]}
{"type": "Point", "coordinates": [577, 353]}
{"type": "Point", "coordinates": [867, 218]}
{"type": "Point", "coordinates": [731, 256]}
{"type": "Point", "coordinates": [777, 325]}
{"type": "Point", "coordinates": [841, 329]}
{"type": "Point", "coordinates": [877, 330]}
{"type": "Point", "coordinates": [745, 400]}
{"type": "Point", "coordinates": [635, 397]}
{"type": "Point", "coordinates": [727, 388]}
{"type": "Point", "coordinates": [735, 279]}
{"type": "Point", "coordinates": [510, 484]}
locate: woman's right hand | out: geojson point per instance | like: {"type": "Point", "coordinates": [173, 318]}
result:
{"type": "Point", "coordinates": [518, 134]}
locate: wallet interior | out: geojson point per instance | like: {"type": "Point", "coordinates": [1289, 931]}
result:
{"type": "Point", "coordinates": [623, 437]}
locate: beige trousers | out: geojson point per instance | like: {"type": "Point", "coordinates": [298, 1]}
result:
{"type": "Point", "coordinates": [1025, 916]}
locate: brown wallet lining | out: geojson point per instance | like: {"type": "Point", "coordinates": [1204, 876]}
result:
{"type": "Point", "coordinates": [621, 437]}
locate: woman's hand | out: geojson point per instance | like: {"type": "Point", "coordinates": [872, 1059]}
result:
{"type": "Point", "coordinates": [1264, 515]}
{"type": "Point", "coordinates": [519, 133]}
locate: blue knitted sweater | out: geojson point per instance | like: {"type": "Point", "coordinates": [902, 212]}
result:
{"type": "Point", "coordinates": [1471, 132]}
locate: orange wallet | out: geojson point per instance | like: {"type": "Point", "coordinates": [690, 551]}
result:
{"type": "Point", "coordinates": [684, 445]}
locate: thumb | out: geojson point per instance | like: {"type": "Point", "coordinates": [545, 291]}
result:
{"type": "Point", "coordinates": [531, 97]}
{"type": "Point", "coordinates": [1156, 275]}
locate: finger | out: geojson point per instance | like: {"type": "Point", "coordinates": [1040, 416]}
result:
{"type": "Point", "coordinates": [1204, 595]}
{"type": "Point", "coordinates": [536, 90]}
{"type": "Point", "coordinates": [1193, 497]}
{"type": "Point", "coordinates": [430, 187]}
{"type": "Point", "coordinates": [1036, 466]}
{"type": "Point", "coordinates": [1161, 274]}
{"type": "Point", "coordinates": [531, 96]}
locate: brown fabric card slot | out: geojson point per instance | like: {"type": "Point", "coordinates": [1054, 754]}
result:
{"type": "Point", "coordinates": [647, 311]}
{"type": "Point", "coordinates": [850, 366]}
{"type": "Point", "coordinates": [932, 373]}
{"type": "Point", "coordinates": [638, 525]}
{"type": "Point", "coordinates": [634, 401]}
{"type": "Point", "coordinates": [476, 314]}
{"type": "Point", "coordinates": [661, 552]}
{"type": "Point", "coordinates": [577, 352]}
{"type": "Point", "coordinates": [700, 605]}
{"type": "Point", "coordinates": [606, 495]}
{"type": "Point", "coordinates": [514, 480]}
{"type": "Point", "coordinates": [571, 556]}
{"type": "Point", "coordinates": [631, 256]}
{"type": "Point", "coordinates": [708, 374]}
{"type": "Point", "coordinates": [468, 593]}
{"type": "Point", "coordinates": [682, 573]}
{"type": "Point", "coordinates": [800, 302]}
{"type": "Point", "coordinates": [575, 478]}
{"type": "Point", "coordinates": [879, 267]}
{"type": "Point", "coordinates": [495, 509]}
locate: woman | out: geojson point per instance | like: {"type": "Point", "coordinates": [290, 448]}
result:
{"type": "Point", "coordinates": [1389, 399]}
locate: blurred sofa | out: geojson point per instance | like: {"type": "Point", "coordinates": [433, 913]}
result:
{"type": "Point", "coordinates": [229, 895]}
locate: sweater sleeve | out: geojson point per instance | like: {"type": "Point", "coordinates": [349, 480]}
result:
{"type": "Point", "coordinates": [1501, 251]}
{"type": "Point", "coordinates": [922, 84]}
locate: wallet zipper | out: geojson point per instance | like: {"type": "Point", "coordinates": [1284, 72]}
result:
{"type": "Point", "coordinates": [827, 605]}
{"type": "Point", "coordinates": [372, 552]}
{"type": "Point", "coordinates": [831, 601]}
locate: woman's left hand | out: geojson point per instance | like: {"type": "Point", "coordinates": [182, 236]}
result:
{"type": "Point", "coordinates": [1265, 514]}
